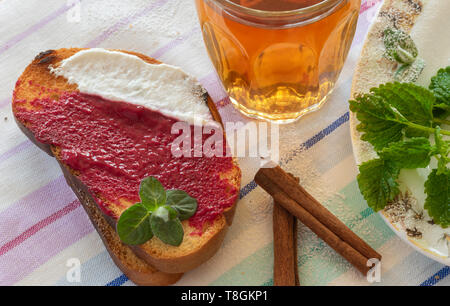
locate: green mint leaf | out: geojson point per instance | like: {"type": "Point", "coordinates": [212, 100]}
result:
{"type": "Point", "coordinates": [409, 73]}
{"type": "Point", "coordinates": [173, 213]}
{"type": "Point", "coordinates": [440, 85]}
{"type": "Point", "coordinates": [442, 149]}
{"type": "Point", "coordinates": [399, 46]}
{"type": "Point", "coordinates": [377, 182]}
{"type": "Point", "coordinates": [441, 111]}
{"type": "Point", "coordinates": [182, 202]}
{"type": "Point", "coordinates": [437, 203]}
{"type": "Point", "coordinates": [152, 193]}
{"type": "Point", "coordinates": [166, 226]}
{"type": "Point", "coordinates": [392, 109]}
{"type": "Point", "coordinates": [409, 154]}
{"type": "Point", "coordinates": [133, 226]}
{"type": "Point", "coordinates": [159, 213]}
{"type": "Point", "coordinates": [378, 120]}
{"type": "Point", "coordinates": [415, 103]}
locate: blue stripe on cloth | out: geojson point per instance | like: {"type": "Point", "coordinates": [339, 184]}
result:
{"type": "Point", "coordinates": [118, 281]}
{"type": "Point", "coordinates": [437, 277]}
{"type": "Point", "coordinates": [367, 212]}
{"type": "Point", "coordinates": [247, 189]}
{"type": "Point", "coordinates": [252, 185]}
{"type": "Point", "coordinates": [304, 146]}
{"type": "Point", "coordinates": [316, 138]}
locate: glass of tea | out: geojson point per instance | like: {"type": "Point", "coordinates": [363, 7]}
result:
{"type": "Point", "coordinates": [278, 59]}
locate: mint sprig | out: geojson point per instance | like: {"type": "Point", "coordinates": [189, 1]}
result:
{"type": "Point", "coordinates": [159, 213]}
{"type": "Point", "coordinates": [398, 120]}
{"type": "Point", "coordinates": [392, 110]}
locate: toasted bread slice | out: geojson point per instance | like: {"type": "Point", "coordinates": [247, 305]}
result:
{"type": "Point", "coordinates": [194, 250]}
{"type": "Point", "coordinates": [136, 269]}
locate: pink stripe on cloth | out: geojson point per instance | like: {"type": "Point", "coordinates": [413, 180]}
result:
{"type": "Point", "coordinates": [14, 150]}
{"type": "Point", "coordinates": [229, 113]}
{"type": "Point", "coordinates": [224, 102]}
{"type": "Point", "coordinates": [368, 4]}
{"type": "Point", "coordinates": [46, 243]}
{"type": "Point", "coordinates": [37, 227]}
{"type": "Point", "coordinates": [123, 22]}
{"type": "Point", "coordinates": [5, 102]}
{"type": "Point", "coordinates": [19, 37]}
{"type": "Point", "coordinates": [177, 41]}
{"type": "Point", "coordinates": [34, 207]}
{"type": "Point", "coordinates": [214, 86]}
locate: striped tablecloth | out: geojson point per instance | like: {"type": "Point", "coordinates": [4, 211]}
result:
{"type": "Point", "coordinates": [43, 226]}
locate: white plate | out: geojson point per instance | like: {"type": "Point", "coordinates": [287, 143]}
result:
{"type": "Point", "coordinates": [373, 69]}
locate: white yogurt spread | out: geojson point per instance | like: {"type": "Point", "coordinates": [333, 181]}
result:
{"type": "Point", "coordinates": [118, 76]}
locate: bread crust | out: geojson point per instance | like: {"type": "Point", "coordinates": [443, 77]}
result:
{"type": "Point", "coordinates": [154, 253]}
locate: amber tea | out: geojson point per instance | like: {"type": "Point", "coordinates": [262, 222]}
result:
{"type": "Point", "coordinates": [278, 59]}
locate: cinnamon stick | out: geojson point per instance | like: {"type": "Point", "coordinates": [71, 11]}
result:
{"type": "Point", "coordinates": [285, 270]}
{"type": "Point", "coordinates": [288, 193]}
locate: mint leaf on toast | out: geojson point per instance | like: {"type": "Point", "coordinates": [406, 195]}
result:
{"type": "Point", "coordinates": [166, 226]}
{"type": "Point", "coordinates": [152, 193]}
{"type": "Point", "coordinates": [182, 203]}
{"type": "Point", "coordinates": [160, 213]}
{"type": "Point", "coordinates": [133, 226]}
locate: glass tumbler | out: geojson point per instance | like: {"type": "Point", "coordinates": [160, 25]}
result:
{"type": "Point", "coordinates": [275, 63]}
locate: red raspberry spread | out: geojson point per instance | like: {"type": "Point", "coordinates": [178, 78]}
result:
{"type": "Point", "coordinates": [114, 145]}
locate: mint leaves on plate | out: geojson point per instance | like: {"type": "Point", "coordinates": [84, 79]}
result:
{"type": "Point", "coordinates": [398, 120]}
{"type": "Point", "coordinates": [159, 213]}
